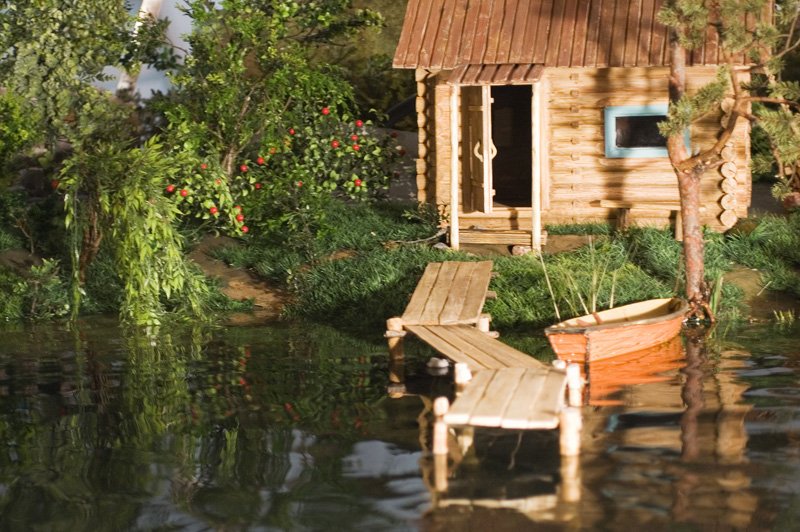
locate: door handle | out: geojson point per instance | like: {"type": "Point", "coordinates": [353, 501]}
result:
{"type": "Point", "coordinates": [492, 150]}
{"type": "Point", "coordinates": [476, 151]}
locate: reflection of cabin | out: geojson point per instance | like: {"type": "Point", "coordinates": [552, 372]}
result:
{"type": "Point", "coordinates": [543, 112]}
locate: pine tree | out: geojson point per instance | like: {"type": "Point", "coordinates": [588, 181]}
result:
{"type": "Point", "coordinates": [761, 33]}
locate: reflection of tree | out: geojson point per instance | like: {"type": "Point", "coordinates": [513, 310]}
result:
{"type": "Point", "coordinates": [238, 426]}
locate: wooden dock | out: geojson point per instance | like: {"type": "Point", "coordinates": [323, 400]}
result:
{"type": "Point", "coordinates": [510, 389]}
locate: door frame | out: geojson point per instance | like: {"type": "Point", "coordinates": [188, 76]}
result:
{"type": "Point", "coordinates": [457, 143]}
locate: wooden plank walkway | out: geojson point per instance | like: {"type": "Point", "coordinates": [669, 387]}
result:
{"type": "Point", "coordinates": [509, 390]}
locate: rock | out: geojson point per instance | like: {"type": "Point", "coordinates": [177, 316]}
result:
{"type": "Point", "coordinates": [518, 251]}
{"type": "Point", "coordinates": [791, 202]}
{"type": "Point", "coordinates": [441, 245]}
{"type": "Point", "coordinates": [19, 260]}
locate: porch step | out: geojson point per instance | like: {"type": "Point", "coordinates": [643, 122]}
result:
{"type": "Point", "coordinates": [513, 237]}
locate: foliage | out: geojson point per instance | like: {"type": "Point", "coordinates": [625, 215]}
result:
{"type": "Point", "coordinates": [322, 158]}
{"type": "Point", "coordinates": [12, 286]}
{"type": "Point", "coordinates": [273, 135]}
{"type": "Point", "coordinates": [15, 129]}
{"type": "Point", "coordinates": [53, 53]}
{"type": "Point", "coordinates": [46, 295]}
{"type": "Point", "coordinates": [146, 246]}
{"type": "Point", "coordinates": [360, 292]}
{"type": "Point", "coordinates": [360, 227]}
{"type": "Point", "coordinates": [773, 247]}
{"type": "Point", "coordinates": [247, 68]}
{"type": "Point", "coordinates": [596, 276]}
{"type": "Point", "coordinates": [580, 229]}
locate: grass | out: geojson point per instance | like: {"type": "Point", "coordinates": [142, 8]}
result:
{"type": "Point", "coordinates": [360, 289]}
{"type": "Point", "coordinates": [771, 245]}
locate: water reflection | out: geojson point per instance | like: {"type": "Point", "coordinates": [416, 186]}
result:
{"type": "Point", "coordinates": [666, 443]}
{"type": "Point", "coordinates": [291, 428]}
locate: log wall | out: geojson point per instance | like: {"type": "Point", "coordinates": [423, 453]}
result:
{"type": "Point", "coordinates": [576, 171]}
{"type": "Point", "coordinates": [579, 172]}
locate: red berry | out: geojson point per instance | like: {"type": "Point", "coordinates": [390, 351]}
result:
{"type": "Point", "coordinates": [217, 182]}
{"type": "Point", "coordinates": [244, 168]}
{"type": "Point", "coordinates": [170, 188]}
{"type": "Point", "coordinates": [213, 210]}
{"type": "Point", "coordinates": [54, 183]}
{"type": "Point", "coordinates": [359, 123]}
{"type": "Point", "coordinates": [356, 147]}
{"type": "Point", "coordinates": [257, 186]}
{"type": "Point", "coordinates": [184, 192]}
{"type": "Point", "coordinates": [260, 160]}
{"type": "Point", "coordinates": [239, 217]}
{"type": "Point", "coordinates": [203, 166]}
{"type": "Point", "coordinates": [291, 131]}
{"type": "Point", "coordinates": [326, 111]}
{"type": "Point", "coordinates": [354, 137]}
{"type": "Point", "coordinates": [335, 144]}
{"type": "Point", "coordinates": [237, 208]}
{"type": "Point", "coordinates": [272, 151]}
{"type": "Point", "coordinates": [357, 182]}
{"type": "Point", "coordinates": [299, 184]}
{"type": "Point", "coordinates": [244, 229]}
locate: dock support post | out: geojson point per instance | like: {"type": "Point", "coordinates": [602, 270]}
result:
{"type": "Point", "coordinates": [570, 437]}
{"type": "Point", "coordinates": [440, 407]}
{"type": "Point", "coordinates": [462, 376]}
{"type": "Point", "coordinates": [570, 479]}
{"type": "Point", "coordinates": [574, 385]}
{"type": "Point", "coordinates": [394, 337]}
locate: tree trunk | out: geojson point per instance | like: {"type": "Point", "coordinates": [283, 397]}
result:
{"type": "Point", "coordinates": [149, 9]}
{"type": "Point", "coordinates": [689, 188]}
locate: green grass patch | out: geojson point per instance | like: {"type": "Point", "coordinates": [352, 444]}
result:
{"type": "Point", "coordinates": [596, 228]}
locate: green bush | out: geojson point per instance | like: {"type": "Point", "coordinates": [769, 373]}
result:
{"type": "Point", "coordinates": [12, 286]}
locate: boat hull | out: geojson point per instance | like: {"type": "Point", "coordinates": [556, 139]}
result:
{"type": "Point", "coordinates": [617, 331]}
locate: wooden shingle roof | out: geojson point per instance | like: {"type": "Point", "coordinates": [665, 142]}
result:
{"type": "Point", "coordinates": [446, 34]}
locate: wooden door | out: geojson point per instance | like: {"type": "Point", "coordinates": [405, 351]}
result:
{"type": "Point", "coordinates": [476, 105]}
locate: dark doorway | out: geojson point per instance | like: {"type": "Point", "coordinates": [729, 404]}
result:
{"type": "Point", "coordinates": [512, 137]}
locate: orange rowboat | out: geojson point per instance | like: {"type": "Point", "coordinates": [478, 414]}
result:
{"type": "Point", "coordinates": [618, 330]}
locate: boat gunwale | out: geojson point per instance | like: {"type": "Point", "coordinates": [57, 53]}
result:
{"type": "Point", "coordinates": [586, 329]}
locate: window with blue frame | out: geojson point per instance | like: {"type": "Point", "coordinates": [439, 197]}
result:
{"type": "Point", "coordinates": [632, 131]}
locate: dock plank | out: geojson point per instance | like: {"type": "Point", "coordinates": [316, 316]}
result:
{"type": "Point", "coordinates": [499, 392]}
{"type": "Point", "coordinates": [504, 353]}
{"type": "Point", "coordinates": [438, 294]}
{"type": "Point", "coordinates": [427, 335]}
{"type": "Point", "coordinates": [476, 292]}
{"type": "Point", "coordinates": [420, 296]}
{"type": "Point", "coordinates": [461, 410]}
{"type": "Point", "coordinates": [458, 294]}
{"type": "Point", "coordinates": [551, 399]}
{"type": "Point", "coordinates": [456, 337]}
{"type": "Point", "coordinates": [525, 402]}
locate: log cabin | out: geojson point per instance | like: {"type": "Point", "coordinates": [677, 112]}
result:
{"type": "Point", "coordinates": [537, 112]}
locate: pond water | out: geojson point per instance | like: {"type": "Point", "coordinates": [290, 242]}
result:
{"type": "Point", "coordinates": [290, 427]}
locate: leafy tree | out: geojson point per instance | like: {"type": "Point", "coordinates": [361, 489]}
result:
{"type": "Point", "coordinates": [248, 107]}
{"type": "Point", "coordinates": [763, 42]}
{"type": "Point", "coordinates": [54, 54]}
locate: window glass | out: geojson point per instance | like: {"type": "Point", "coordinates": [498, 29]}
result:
{"type": "Point", "coordinates": [639, 132]}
